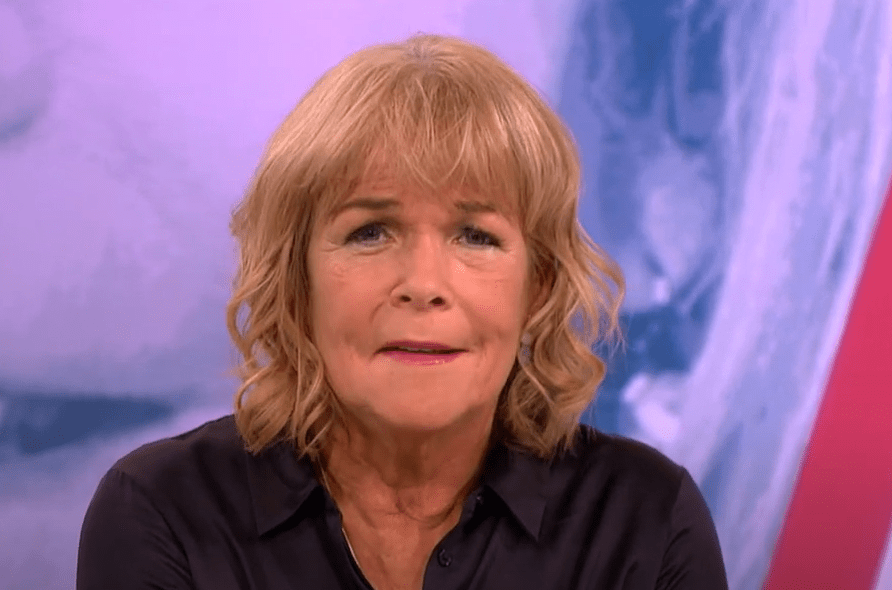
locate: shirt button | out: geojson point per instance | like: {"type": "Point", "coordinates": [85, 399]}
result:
{"type": "Point", "coordinates": [443, 558]}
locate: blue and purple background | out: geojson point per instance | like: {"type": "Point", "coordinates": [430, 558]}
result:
{"type": "Point", "coordinates": [737, 159]}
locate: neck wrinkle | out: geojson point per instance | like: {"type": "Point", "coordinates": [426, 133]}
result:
{"type": "Point", "coordinates": [375, 493]}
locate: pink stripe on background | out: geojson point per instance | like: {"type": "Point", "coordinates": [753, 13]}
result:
{"type": "Point", "coordinates": [840, 512]}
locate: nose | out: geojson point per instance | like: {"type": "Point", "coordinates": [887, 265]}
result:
{"type": "Point", "coordinates": [424, 274]}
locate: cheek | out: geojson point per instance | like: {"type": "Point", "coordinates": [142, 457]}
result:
{"type": "Point", "coordinates": [343, 302]}
{"type": "Point", "coordinates": [499, 316]}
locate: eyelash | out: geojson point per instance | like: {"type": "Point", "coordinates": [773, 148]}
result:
{"type": "Point", "coordinates": [492, 240]}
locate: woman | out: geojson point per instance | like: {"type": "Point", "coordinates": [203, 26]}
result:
{"type": "Point", "coordinates": [410, 262]}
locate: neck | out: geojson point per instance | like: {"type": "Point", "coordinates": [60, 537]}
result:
{"type": "Point", "coordinates": [384, 472]}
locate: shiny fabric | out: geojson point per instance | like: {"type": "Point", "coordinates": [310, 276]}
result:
{"type": "Point", "coordinates": [197, 511]}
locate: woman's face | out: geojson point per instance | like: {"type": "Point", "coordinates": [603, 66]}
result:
{"type": "Point", "coordinates": [411, 265]}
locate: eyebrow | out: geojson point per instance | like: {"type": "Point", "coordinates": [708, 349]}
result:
{"type": "Point", "coordinates": [464, 205]}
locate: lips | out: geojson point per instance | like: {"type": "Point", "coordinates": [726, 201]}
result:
{"type": "Point", "coordinates": [423, 347]}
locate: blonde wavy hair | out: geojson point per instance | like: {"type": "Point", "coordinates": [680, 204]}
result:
{"type": "Point", "coordinates": [442, 113]}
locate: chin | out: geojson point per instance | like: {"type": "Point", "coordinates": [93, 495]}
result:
{"type": "Point", "coordinates": [428, 419]}
{"type": "Point", "coordinates": [420, 422]}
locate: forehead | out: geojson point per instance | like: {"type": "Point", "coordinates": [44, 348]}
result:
{"type": "Point", "coordinates": [386, 195]}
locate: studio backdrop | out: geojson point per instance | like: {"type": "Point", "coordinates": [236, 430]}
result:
{"type": "Point", "coordinates": [736, 156]}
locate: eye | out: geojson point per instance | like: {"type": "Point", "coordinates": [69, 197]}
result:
{"type": "Point", "coordinates": [364, 232]}
{"type": "Point", "coordinates": [476, 236]}
{"type": "Point", "coordinates": [478, 233]}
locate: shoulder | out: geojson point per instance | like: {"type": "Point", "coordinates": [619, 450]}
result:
{"type": "Point", "coordinates": [203, 456]}
{"type": "Point", "coordinates": [611, 470]}
{"type": "Point", "coordinates": [595, 452]}
{"type": "Point", "coordinates": [157, 503]}
{"type": "Point", "coordinates": [638, 509]}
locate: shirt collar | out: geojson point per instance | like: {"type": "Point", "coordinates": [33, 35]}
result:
{"type": "Point", "coordinates": [519, 480]}
{"type": "Point", "coordinates": [281, 484]}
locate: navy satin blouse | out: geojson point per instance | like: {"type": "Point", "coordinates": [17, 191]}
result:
{"type": "Point", "coordinates": [197, 511]}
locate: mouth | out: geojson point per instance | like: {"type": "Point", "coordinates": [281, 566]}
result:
{"type": "Point", "coordinates": [420, 351]}
{"type": "Point", "coordinates": [414, 356]}
{"type": "Point", "coordinates": [417, 347]}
